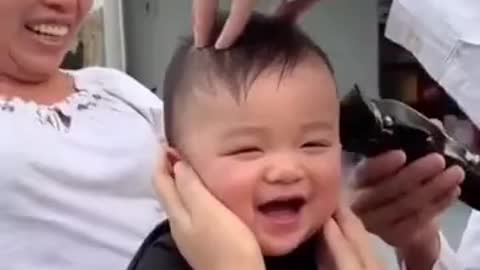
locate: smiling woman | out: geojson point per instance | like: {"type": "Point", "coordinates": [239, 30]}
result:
{"type": "Point", "coordinates": [67, 165]}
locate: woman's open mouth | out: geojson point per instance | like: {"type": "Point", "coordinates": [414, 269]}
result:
{"type": "Point", "coordinates": [48, 31]}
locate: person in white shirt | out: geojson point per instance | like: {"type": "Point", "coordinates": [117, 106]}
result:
{"type": "Point", "coordinates": [76, 156]}
{"type": "Point", "coordinates": [445, 37]}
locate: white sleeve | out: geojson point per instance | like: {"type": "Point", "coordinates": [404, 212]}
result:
{"type": "Point", "coordinates": [130, 91]}
{"type": "Point", "coordinates": [468, 254]}
{"type": "Point", "coordinates": [444, 37]}
{"type": "Point", "coordinates": [469, 250]}
{"type": "Point", "coordinates": [447, 259]}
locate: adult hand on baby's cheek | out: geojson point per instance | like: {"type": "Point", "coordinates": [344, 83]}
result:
{"type": "Point", "coordinates": [346, 244]}
{"type": "Point", "coordinates": [208, 235]}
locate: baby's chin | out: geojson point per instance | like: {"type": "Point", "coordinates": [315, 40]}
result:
{"type": "Point", "coordinates": [275, 246]}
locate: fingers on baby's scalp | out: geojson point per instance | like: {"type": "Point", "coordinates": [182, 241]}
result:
{"type": "Point", "coordinates": [204, 15]}
{"type": "Point", "coordinates": [237, 19]}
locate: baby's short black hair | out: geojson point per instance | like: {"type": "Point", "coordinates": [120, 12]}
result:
{"type": "Point", "coordinates": [266, 42]}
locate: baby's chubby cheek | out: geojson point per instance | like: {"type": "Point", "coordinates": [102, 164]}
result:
{"type": "Point", "coordinates": [325, 203]}
{"type": "Point", "coordinates": [328, 193]}
{"type": "Point", "coordinates": [234, 186]}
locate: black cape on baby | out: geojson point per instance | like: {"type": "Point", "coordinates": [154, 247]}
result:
{"type": "Point", "coordinates": [159, 251]}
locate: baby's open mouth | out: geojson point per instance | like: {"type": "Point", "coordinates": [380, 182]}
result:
{"type": "Point", "coordinates": [282, 207]}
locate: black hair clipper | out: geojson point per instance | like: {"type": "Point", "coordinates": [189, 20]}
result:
{"type": "Point", "coordinates": [373, 126]}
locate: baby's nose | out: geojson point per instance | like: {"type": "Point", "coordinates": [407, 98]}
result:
{"type": "Point", "coordinates": [284, 169]}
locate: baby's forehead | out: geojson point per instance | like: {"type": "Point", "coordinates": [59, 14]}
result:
{"type": "Point", "coordinates": [270, 95]}
{"type": "Point", "coordinates": [211, 86]}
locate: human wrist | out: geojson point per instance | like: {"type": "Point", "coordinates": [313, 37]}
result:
{"type": "Point", "coordinates": [251, 263]}
{"type": "Point", "coordinates": [244, 266]}
{"type": "Point", "coordinates": [423, 252]}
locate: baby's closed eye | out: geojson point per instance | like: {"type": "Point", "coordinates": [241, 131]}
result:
{"type": "Point", "coordinates": [244, 152]}
{"type": "Point", "coordinates": [316, 146]}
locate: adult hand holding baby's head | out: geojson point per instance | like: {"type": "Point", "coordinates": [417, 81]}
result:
{"type": "Point", "coordinates": [205, 11]}
{"type": "Point", "coordinates": [207, 234]}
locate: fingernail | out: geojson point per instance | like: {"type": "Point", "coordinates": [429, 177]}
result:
{"type": "Point", "coordinates": [196, 32]}
{"type": "Point", "coordinates": [196, 39]}
{"type": "Point", "coordinates": [400, 154]}
{"type": "Point", "coordinates": [458, 192]}
{"type": "Point", "coordinates": [220, 46]}
{"type": "Point", "coordinates": [462, 174]}
{"type": "Point", "coordinates": [200, 44]}
{"type": "Point", "coordinates": [439, 158]}
{"type": "Point", "coordinates": [177, 167]}
{"type": "Point", "coordinates": [199, 40]}
{"type": "Point", "coordinates": [222, 42]}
